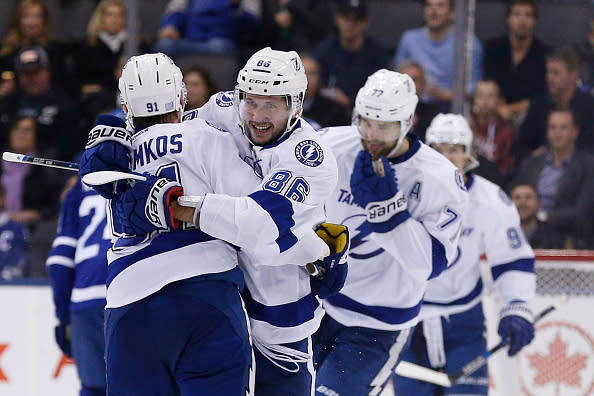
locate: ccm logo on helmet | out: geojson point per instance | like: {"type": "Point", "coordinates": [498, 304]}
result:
{"type": "Point", "coordinates": [256, 81]}
{"type": "Point", "coordinates": [382, 211]}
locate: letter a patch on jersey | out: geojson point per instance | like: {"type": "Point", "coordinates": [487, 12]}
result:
{"type": "Point", "coordinates": [309, 153]}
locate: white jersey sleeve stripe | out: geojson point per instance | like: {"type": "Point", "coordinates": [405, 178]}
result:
{"type": "Point", "coordinates": [526, 265]}
{"type": "Point", "coordinates": [390, 315]}
{"type": "Point", "coordinates": [88, 293]}
{"type": "Point", "coordinates": [60, 260]}
{"type": "Point", "coordinates": [63, 240]}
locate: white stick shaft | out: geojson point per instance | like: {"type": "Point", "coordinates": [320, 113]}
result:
{"type": "Point", "coordinates": [29, 159]}
{"type": "Point", "coordinates": [192, 201]}
{"type": "Point", "coordinates": [104, 177]}
{"type": "Point", "coordinates": [414, 371]}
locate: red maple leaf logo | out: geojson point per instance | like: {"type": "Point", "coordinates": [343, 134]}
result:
{"type": "Point", "coordinates": [3, 377]}
{"type": "Point", "coordinates": [557, 367]}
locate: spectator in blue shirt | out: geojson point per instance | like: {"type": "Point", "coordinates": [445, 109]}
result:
{"type": "Point", "coordinates": [433, 47]}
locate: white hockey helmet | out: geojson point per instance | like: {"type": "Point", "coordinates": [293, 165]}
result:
{"type": "Point", "coordinates": [452, 129]}
{"type": "Point", "coordinates": [388, 96]}
{"type": "Point", "coordinates": [151, 84]}
{"type": "Point", "coordinates": [274, 73]}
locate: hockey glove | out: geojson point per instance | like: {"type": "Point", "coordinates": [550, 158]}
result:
{"type": "Point", "coordinates": [108, 148]}
{"type": "Point", "coordinates": [62, 334]}
{"type": "Point", "coordinates": [145, 206]}
{"type": "Point", "coordinates": [386, 207]}
{"type": "Point", "coordinates": [333, 267]}
{"type": "Point", "coordinates": [515, 325]}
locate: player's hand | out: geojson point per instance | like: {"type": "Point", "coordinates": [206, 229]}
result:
{"type": "Point", "coordinates": [146, 206]}
{"type": "Point", "coordinates": [333, 267]}
{"type": "Point", "coordinates": [108, 149]}
{"type": "Point", "coordinates": [515, 325]}
{"type": "Point", "coordinates": [62, 335]}
{"type": "Point", "coordinates": [386, 207]}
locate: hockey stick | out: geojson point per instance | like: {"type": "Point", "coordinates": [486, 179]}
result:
{"type": "Point", "coordinates": [29, 159]}
{"type": "Point", "coordinates": [411, 370]}
{"type": "Point", "coordinates": [92, 179]}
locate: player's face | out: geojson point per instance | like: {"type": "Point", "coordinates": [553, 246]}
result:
{"type": "Point", "coordinates": [521, 20]}
{"type": "Point", "coordinates": [454, 152]}
{"type": "Point", "coordinates": [526, 200]}
{"type": "Point", "coordinates": [265, 116]}
{"type": "Point", "coordinates": [379, 137]}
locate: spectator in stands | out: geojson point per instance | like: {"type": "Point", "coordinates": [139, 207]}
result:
{"type": "Point", "coordinates": [562, 73]}
{"type": "Point", "coordinates": [433, 47]}
{"type": "Point", "coordinates": [200, 86]}
{"type": "Point", "coordinates": [585, 51]}
{"type": "Point", "coordinates": [291, 24]}
{"type": "Point", "coordinates": [493, 136]}
{"type": "Point", "coordinates": [318, 110]}
{"type": "Point", "coordinates": [346, 60]}
{"type": "Point", "coordinates": [99, 56]}
{"type": "Point", "coordinates": [538, 233]}
{"type": "Point", "coordinates": [56, 114]}
{"type": "Point", "coordinates": [30, 26]}
{"type": "Point", "coordinates": [13, 245]}
{"type": "Point", "coordinates": [425, 112]}
{"type": "Point", "coordinates": [31, 192]}
{"type": "Point", "coordinates": [564, 178]}
{"type": "Point", "coordinates": [203, 26]}
{"type": "Point", "coordinates": [516, 61]}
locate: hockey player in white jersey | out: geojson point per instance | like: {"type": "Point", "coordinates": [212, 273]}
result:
{"type": "Point", "coordinates": [263, 115]}
{"type": "Point", "coordinates": [405, 219]}
{"type": "Point", "coordinates": [452, 330]}
{"type": "Point", "coordinates": [288, 197]}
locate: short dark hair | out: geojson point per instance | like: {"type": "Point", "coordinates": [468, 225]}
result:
{"type": "Point", "coordinates": [451, 2]}
{"type": "Point", "coordinates": [511, 3]}
{"type": "Point", "coordinates": [520, 183]}
{"type": "Point", "coordinates": [145, 122]}
{"type": "Point", "coordinates": [566, 55]}
{"type": "Point", "coordinates": [564, 109]}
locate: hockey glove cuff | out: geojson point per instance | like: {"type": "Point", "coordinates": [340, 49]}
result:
{"type": "Point", "coordinates": [515, 325]}
{"type": "Point", "coordinates": [146, 206]}
{"type": "Point", "coordinates": [62, 335]}
{"type": "Point", "coordinates": [333, 267]}
{"type": "Point", "coordinates": [384, 216]}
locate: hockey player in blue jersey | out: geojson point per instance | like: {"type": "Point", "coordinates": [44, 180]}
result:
{"type": "Point", "coordinates": [403, 203]}
{"type": "Point", "coordinates": [266, 224]}
{"type": "Point", "coordinates": [77, 268]}
{"type": "Point", "coordinates": [452, 330]}
{"type": "Point", "coordinates": [13, 245]}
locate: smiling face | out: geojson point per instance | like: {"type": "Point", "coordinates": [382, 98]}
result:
{"type": "Point", "coordinates": [266, 117]}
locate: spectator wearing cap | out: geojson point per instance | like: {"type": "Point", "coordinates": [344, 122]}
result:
{"type": "Point", "coordinates": [30, 26]}
{"type": "Point", "coordinates": [347, 59]}
{"type": "Point", "coordinates": [56, 114]}
{"type": "Point", "coordinates": [433, 47]}
{"type": "Point", "coordinates": [564, 178]}
{"type": "Point", "coordinates": [562, 74]}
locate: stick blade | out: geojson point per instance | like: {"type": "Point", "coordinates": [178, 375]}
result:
{"type": "Point", "coordinates": [12, 157]}
{"type": "Point", "coordinates": [414, 371]}
{"type": "Point", "coordinates": [104, 177]}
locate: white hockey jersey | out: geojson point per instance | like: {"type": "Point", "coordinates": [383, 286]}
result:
{"type": "Point", "coordinates": [301, 170]}
{"type": "Point", "coordinates": [388, 272]}
{"type": "Point", "coordinates": [491, 226]}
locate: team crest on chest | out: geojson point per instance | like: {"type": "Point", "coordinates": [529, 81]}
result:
{"type": "Point", "coordinates": [309, 153]}
{"type": "Point", "coordinates": [224, 99]}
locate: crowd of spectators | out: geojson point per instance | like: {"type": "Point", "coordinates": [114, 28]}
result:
{"type": "Point", "coordinates": [531, 105]}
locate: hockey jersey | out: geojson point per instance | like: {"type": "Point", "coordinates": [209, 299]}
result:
{"type": "Point", "coordinates": [302, 170]}
{"type": "Point", "coordinates": [13, 248]}
{"type": "Point", "coordinates": [388, 272]}
{"type": "Point", "coordinates": [77, 263]}
{"type": "Point", "coordinates": [492, 226]}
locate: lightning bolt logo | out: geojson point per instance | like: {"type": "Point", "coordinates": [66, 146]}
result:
{"type": "Point", "coordinates": [309, 153]}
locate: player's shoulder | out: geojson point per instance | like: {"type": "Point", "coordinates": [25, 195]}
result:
{"type": "Point", "coordinates": [489, 196]}
{"type": "Point", "coordinates": [342, 139]}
